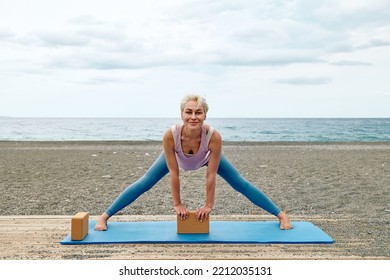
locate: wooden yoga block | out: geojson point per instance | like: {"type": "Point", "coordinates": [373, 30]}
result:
{"type": "Point", "coordinates": [79, 226]}
{"type": "Point", "coordinates": [192, 225]}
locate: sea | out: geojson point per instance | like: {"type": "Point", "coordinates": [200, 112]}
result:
{"type": "Point", "coordinates": [231, 129]}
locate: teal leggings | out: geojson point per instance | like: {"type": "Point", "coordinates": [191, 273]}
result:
{"type": "Point", "coordinates": [159, 169]}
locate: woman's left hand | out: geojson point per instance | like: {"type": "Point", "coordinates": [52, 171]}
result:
{"type": "Point", "coordinates": [203, 213]}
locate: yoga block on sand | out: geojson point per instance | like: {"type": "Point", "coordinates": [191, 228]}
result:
{"type": "Point", "coordinates": [192, 225]}
{"type": "Point", "coordinates": [79, 226]}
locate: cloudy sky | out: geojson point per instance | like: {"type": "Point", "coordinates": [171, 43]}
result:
{"type": "Point", "coordinates": [250, 58]}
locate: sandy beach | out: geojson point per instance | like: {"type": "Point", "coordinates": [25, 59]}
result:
{"type": "Point", "coordinates": [344, 188]}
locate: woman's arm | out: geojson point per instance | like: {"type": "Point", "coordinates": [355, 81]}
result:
{"type": "Point", "coordinates": [215, 147]}
{"type": "Point", "coordinates": [173, 167]}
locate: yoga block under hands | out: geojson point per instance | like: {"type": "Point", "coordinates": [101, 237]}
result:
{"type": "Point", "coordinates": [192, 225]}
{"type": "Point", "coordinates": [79, 226]}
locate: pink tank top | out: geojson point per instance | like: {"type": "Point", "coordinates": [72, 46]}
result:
{"type": "Point", "coordinates": [198, 160]}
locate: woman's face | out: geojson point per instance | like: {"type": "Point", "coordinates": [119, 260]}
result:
{"type": "Point", "coordinates": [192, 115]}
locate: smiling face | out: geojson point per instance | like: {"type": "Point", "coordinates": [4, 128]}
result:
{"type": "Point", "coordinates": [193, 116]}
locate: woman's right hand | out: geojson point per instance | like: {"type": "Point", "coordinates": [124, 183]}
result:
{"type": "Point", "coordinates": [181, 211]}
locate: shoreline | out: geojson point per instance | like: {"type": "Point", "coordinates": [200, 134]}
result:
{"type": "Point", "coordinates": [230, 143]}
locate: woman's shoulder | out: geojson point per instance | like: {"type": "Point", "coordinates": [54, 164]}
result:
{"type": "Point", "coordinates": [213, 134]}
{"type": "Point", "coordinates": [170, 133]}
{"type": "Point", "coordinates": [216, 135]}
{"type": "Point", "coordinates": [210, 128]}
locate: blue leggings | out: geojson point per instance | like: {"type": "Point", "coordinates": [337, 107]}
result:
{"type": "Point", "coordinates": [159, 169]}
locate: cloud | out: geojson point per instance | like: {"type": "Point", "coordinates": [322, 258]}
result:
{"type": "Point", "coordinates": [339, 47]}
{"type": "Point", "coordinates": [202, 33]}
{"type": "Point", "coordinates": [305, 81]}
{"type": "Point", "coordinates": [275, 59]}
{"type": "Point", "coordinates": [185, 45]}
{"type": "Point", "coordinates": [63, 40]}
{"type": "Point", "coordinates": [100, 80]}
{"type": "Point", "coordinates": [86, 19]}
{"type": "Point", "coordinates": [6, 34]}
{"type": "Point", "coordinates": [350, 63]}
{"type": "Point", "coordinates": [342, 16]}
{"type": "Point", "coordinates": [374, 43]}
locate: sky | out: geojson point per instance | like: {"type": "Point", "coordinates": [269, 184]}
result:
{"type": "Point", "coordinates": [249, 58]}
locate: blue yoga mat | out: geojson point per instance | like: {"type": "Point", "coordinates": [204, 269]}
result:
{"type": "Point", "coordinates": [266, 232]}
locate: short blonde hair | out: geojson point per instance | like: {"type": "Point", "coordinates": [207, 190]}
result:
{"type": "Point", "coordinates": [197, 98]}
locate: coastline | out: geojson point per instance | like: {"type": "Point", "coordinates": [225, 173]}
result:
{"type": "Point", "coordinates": [233, 143]}
{"type": "Point", "coordinates": [343, 187]}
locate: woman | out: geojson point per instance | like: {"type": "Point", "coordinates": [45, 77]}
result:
{"type": "Point", "coordinates": [190, 146]}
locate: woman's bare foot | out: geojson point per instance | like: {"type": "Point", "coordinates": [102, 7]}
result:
{"type": "Point", "coordinates": [102, 222]}
{"type": "Point", "coordinates": [284, 221]}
